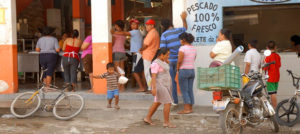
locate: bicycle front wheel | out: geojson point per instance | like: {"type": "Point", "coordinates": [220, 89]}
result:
{"type": "Point", "coordinates": [25, 104]}
{"type": "Point", "coordinates": [68, 107]}
{"type": "Point", "coordinates": [287, 113]}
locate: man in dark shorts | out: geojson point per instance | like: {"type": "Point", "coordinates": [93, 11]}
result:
{"type": "Point", "coordinates": [136, 43]}
{"type": "Point", "coordinates": [138, 71]}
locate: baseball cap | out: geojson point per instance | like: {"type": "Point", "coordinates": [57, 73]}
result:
{"type": "Point", "coordinates": [150, 22]}
{"type": "Point", "coordinates": [134, 21]}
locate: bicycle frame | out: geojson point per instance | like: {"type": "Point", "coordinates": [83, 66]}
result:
{"type": "Point", "coordinates": [42, 95]}
{"type": "Point", "coordinates": [296, 85]}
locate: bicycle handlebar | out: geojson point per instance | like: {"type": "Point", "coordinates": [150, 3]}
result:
{"type": "Point", "coordinates": [295, 79]}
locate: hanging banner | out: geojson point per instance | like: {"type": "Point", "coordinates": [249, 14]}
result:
{"type": "Point", "coordinates": [204, 20]}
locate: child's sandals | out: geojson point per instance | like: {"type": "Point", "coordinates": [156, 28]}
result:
{"type": "Point", "coordinates": [108, 106]}
{"type": "Point", "coordinates": [117, 107]}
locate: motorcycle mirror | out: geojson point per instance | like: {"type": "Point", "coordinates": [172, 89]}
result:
{"type": "Point", "coordinates": [267, 52]}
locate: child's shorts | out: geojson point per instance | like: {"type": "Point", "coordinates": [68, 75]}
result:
{"type": "Point", "coordinates": [272, 87]}
{"type": "Point", "coordinates": [112, 93]}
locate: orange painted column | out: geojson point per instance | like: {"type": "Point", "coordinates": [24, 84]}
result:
{"type": "Point", "coordinates": [8, 47]}
{"type": "Point", "coordinates": [102, 47]}
{"type": "Point", "coordinates": [118, 10]}
{"type": "Point", "coordinates": [78, 8]}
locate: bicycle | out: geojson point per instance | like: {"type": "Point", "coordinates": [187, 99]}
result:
{"type": "Point", "coordinates": [64, 106]}
{"type": "Point", "coordinates": [288, 111]}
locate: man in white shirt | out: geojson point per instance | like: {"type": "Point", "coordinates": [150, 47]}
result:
{"type": "Point", "coordinates": [252, 58]}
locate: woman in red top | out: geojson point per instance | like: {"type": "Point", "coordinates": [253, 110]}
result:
{"type": "Point", "coordinates": [70, 58]}
{"type": "Point", "coordinates": [273, 71]}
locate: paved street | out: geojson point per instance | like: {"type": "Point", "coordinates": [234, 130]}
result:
{"type": "Point", "coordinates": [38, 125]}
{"type": "Point", "coordinates": [96, 119]}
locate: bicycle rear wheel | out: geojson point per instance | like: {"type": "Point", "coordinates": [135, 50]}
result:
{"type": "Point", "coordinates": [68, 107]}
{"type": "Point", "coordinates": [25, 105]}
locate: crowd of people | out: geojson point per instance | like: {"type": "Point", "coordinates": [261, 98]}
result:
{"type": "Point", "coordinates": [157, 62]}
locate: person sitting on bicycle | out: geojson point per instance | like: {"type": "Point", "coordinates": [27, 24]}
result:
{"type": "Point", "coordinates": [273, 71]}
{"type": "Point", "coordinates": [112, 84]}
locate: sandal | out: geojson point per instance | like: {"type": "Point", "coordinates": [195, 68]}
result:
{"type": "Point", "coordinates": [148, 92]}
{"type": "Point", "coordinates": [108, 106]}
{"type": "Point", "coordinates": [138, 91]}
{"type": "Point", "coordinates": [169, 125]}
{"type": "Point", "coordinates": [90, 91]}
{"type": "Point", "coordinates": [148, 122]}
{"type": "Point", "coordinates": [184, 112]}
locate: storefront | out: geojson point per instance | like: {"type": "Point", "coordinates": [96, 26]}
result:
{"type": "Point", "coordinates": [262, 20]}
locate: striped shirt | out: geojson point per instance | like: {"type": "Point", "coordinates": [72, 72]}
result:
{"type": "Point", "coordinates": [112, 80]}
{"type": "Point", "coordinates": [190, 53]}
{"type": "Point", "coordinates": [170, 39]}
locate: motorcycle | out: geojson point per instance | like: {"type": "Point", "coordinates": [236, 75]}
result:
{"type": "Point", "coordinates": [249, 106]}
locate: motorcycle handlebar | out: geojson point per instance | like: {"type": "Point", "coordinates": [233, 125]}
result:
{"type": "Point", "coordinates": [268, 64]}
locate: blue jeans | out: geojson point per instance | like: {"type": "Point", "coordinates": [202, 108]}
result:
{"type": "Point", "coordinates": [186, 82]}
{"type": "Point", "coordinates": [173, 71]}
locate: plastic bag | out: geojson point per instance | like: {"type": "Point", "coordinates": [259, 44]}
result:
{"type": "Point", "coordinates": [123, 80]}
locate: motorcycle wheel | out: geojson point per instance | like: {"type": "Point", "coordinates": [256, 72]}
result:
{"type": "Point", "coordinates": [229, 120]}
{"type": "Point", "coordinates": [274, 125]}
{"type": "Point", "coordinates": [287, 113]}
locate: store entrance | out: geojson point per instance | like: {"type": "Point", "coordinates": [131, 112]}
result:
{"type": "Point", "coordinates": [35, 14]}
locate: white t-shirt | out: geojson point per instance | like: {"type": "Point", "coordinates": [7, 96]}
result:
{"type": "Point", "coordinates": [223, 50]}
{"type": "Point", "coordinates": [253, 57]}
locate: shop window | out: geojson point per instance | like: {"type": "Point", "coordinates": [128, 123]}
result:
{"type": "Point", "coordinates": [263, 23]}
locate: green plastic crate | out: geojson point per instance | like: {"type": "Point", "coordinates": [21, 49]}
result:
{"type": "Point", "coordinates": [219, 78]}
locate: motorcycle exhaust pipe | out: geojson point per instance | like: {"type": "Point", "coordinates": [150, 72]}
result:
{"type": "Point", "coordinates": [268, 107]}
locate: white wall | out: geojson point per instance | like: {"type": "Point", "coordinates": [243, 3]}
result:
{"type": "Point", "coordinates": [202, 97]}
{"type": "Point", "coordinates": [101, 21]}
{"type": "Point", "coordinates": [8, 30]}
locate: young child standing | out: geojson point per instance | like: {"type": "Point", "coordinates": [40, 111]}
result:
{"type": "Point", "coordinates": [273, 71]}
{"type": "Point", "coordinates": [161, 87]}
{"type": "Point", "coordinates": [111, 77]}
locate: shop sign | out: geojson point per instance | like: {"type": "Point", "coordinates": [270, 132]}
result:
{"type": "Point", "coordinates": [204, 20]}
{"type": "Point", "coordinates": [270, 1]}
{"type": "Point", "coordinates": [2, 15]}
